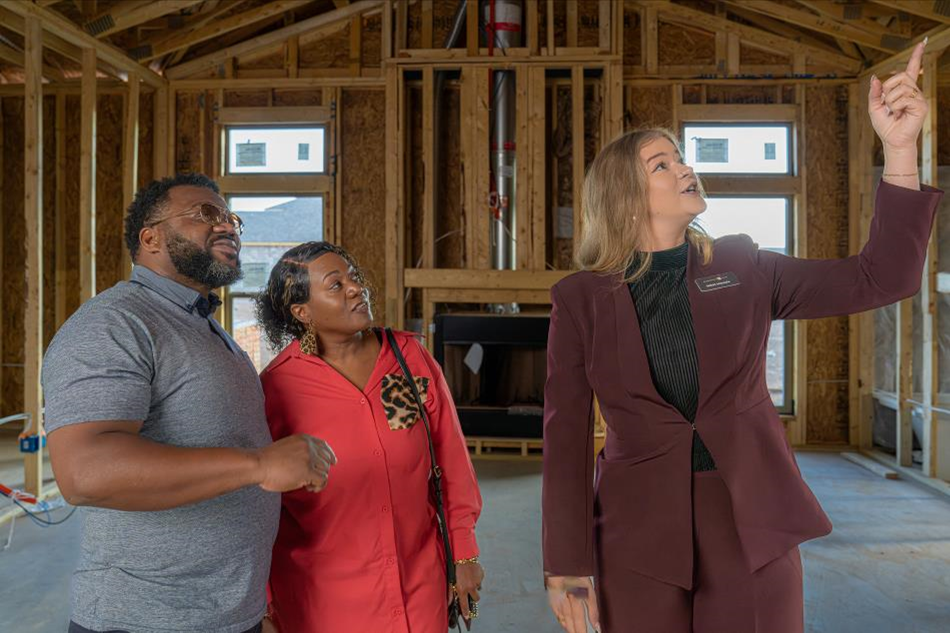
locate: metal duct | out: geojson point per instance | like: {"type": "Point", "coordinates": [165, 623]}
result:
{"type": "Point", "coordinates": [503, 21]}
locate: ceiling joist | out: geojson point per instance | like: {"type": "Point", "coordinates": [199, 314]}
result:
{"type": "Point", "coordinates": [930, 9]}
{"type": "Point", "coordinates": [680, 14]}
{"type": "Point", "coordinates": [126, 15]}
{"type": "Point", "coordinates": [215, 29]}
{"type": "Point", "coordinates": [888, 42]}
{"type": "Point", "coordinates": [56, 25]}
{"type": "Point", "coordinates": [326, 20]}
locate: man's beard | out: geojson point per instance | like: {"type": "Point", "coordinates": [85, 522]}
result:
{"type": "Point", "coordinates": [200, 265]}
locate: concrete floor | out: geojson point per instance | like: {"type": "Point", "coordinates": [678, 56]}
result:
{"type": "Point", "coordinates": [885, 568]}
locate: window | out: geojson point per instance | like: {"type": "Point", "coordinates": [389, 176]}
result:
{"type": "Point", "coordinates": [738, 149]}
{"type": "Point", "coordinates": [276, 149]}
{"type": "Point", "coordinates": [767, 222]}
{"type": "Point", "coordinates": [272, 225]}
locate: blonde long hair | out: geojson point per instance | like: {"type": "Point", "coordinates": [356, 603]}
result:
{"type": "Point", "coordinates": [616, 205]}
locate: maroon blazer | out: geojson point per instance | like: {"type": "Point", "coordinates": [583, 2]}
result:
{"type": "Point", "coordinates": [638, 511]}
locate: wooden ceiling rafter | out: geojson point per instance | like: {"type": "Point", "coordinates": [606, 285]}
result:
{"type": "Point", "coordinates": [888, 43]}
{"type": "Point", "coordinates": [938, 40]}
{"type": "Point", "coordinates": [784, 29]}
{"type": "Point", "coordinates": [846, 14]}
{"type": "Point", "coordinates": [920, 8]}
{"type": "Point", "coordinates": [683, 15]}
{"type": "Point", "coordinates": [217, 28]}
{"type": "Point", "coordinates": [319, 22]}
{"type": "Point", "coordinates": [57, 26]}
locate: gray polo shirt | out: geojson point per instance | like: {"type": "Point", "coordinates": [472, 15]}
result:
{"type": "Point", "coordinates": [143, 351]}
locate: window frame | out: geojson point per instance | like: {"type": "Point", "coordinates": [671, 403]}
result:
{"type": "Point", "coordinates": [788, 126]}
{"type": "Point", "coordinates": [787, 185]}
{"type": "Point", "coordinates": [322, 184]}
{"type": "Point", "coordinates": [226, 147]}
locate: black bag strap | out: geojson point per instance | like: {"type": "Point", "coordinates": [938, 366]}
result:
{"type": "Point", "coordinates": [436, 470]}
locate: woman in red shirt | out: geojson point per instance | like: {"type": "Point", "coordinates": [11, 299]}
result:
{"type": "Point", "coordinates": [364, 554]}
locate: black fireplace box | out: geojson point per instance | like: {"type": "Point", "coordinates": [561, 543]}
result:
{"type": "Point", "coordinates": [506, 397]}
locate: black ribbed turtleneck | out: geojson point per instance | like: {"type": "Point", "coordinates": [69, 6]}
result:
{"type": "Point", "coordinates": [662, 300]}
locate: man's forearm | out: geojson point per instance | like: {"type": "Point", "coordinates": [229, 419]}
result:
{"type": "Point", "coordinates": [124, 471]}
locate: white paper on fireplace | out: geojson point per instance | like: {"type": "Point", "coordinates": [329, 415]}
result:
{"type": "Point", "coordinates": [474, 357]}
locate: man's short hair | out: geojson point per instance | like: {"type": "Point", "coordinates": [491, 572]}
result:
{"type": "Point", "coordinates": [150, 199]}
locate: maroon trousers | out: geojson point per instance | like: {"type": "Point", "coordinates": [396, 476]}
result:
{"type": "Point", "coordinates": [726, 597]}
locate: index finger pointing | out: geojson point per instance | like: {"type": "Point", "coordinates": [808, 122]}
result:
{"type": "Point", "coordinates": [916, 60]}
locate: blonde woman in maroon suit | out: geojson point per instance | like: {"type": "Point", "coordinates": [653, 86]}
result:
{"type": "Point", "coordinates": [694, 521]}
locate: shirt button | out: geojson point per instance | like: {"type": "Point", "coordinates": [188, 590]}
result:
{"type": "Point", "coordinates": [362, 400]}
{"type": "Point", "coordinates": [390, 561]}
{"type": "Point", "coordinates": [385, 509]}
{"type": "Point", "coordinates": [397, 612]}
{"type": "Point", "coordinates": [376, 453]}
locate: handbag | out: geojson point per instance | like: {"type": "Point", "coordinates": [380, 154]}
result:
{"type": "Point", "coordinates": [454, 609]}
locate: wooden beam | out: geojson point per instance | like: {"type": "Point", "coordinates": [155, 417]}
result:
{"type": "Point", "coordinates": [824, 25]}
{"type": "Point", "coordinates": [283, 115]}
{"type": "Point", "coordinates": [786, 30]}
{"type": "Point", "coordinates": [216, 29]}
{"type": "Point", "coordinates": [188, 25]}
{"type": "Point", "coordinates": [577, 150]}
{"type": "Point", "coordinates": [923, 8]}
{"type": "Point", "coordinates": [732, 54]}
{"type": "Point", "coordinates": [480, 166]}
{"type": "Point", "coordinates": [356, 46]}
{"type": "Point", "coordinates": [683, 15]}
{"type": "Point", "coordinates": [160, 131]}
{"type": "Point", "coordinates": [846, 14]}
{"type": "Point", "coordinates": [386, 39]}
{"type": "Point", "coordinates": [471, 28]}
{"type": "Point", "coordinates": [402, 25]}
{"type": "Point", "coordinates": [60, 236]}
{"type": "Point", "coordinates": [860, 212]}
{"type": "Point", "coordinates": [532, 41]}
{"type": "Point", "coordinates": [537, 133]}
{"type": "Point", "coordinates": [56, 24]}
{"type": "Point", "coordinates": [604, 23]}
{"type": "Point", "coordinates": [33, 210]}
{"type": "Point", "coordinates": [428, 168]}
{"type": "Point", "coordinates": [937, 40]}
{"type": "Point", "coordinates": [650, 34]}
{"type": "Point", "coordinates": [292, 60]}
{"type": "Point", "coordinates": [905, 380]}
{"type": "Point", "coordinates": [395, 206]}
{"type": "Point", "coordinates": [552, 47]}
{"type": "Point", "coordinates": [126, 15]}
{"type": "Point", "coordinates": [427, 21]}
{"type": "Point", "coordinates": [15, 57]}
{"type": "Point", "coordinates": [87, 178]}
{"type": "Point", "coordinates": [523, 179]}
{"type": "Point", "coordinates": [571, 22]}
{"type": "Point", "coordinates": [320, 22]}
{"type": "Point", "coordinates": [458, 278]}
{"type": "Point", "coordinates": [130, 159]}
{"type": "Point", "coordinates": [928, 297]}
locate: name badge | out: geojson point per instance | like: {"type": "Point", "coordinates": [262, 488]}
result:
{"type": "Point", "coordinates": [717, 282]}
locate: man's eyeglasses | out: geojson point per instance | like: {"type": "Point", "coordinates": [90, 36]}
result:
{"type": "Point", "coordinates": [210, 214]}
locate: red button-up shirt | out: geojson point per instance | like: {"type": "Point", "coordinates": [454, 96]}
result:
{"type": "Point", "coordinates": [364, 553]}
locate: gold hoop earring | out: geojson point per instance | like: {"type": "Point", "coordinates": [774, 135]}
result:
{"type": "Point", "coordinates": [308, 342]}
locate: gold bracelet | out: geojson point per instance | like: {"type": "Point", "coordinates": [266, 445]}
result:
{"type": "Point", "coordinates": [467, 561]}
{"type": "Point", "coordinates": [900, 175]}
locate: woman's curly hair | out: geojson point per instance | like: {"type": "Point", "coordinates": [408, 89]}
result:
{"type": "Point", "coordinates": [289, 285]}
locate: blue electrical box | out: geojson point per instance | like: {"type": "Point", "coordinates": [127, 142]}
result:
{"type": "Point", "coordinates": [32, 443]}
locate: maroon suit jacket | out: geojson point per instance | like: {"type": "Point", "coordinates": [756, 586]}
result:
{"type": "Point", "coordinates": [639, 511]}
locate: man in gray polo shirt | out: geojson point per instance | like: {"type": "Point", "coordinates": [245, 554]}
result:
{"type": "Point", "coordinates": [156, 425]}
